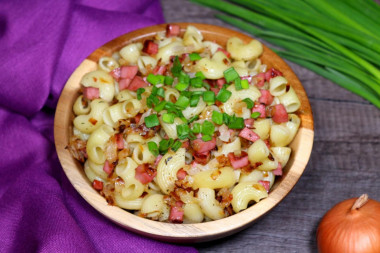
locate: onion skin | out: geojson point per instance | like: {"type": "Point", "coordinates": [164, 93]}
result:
{"type": "Point", "coordinates": [348, 230]}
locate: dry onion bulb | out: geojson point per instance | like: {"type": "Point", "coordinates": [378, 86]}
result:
{"type": "Point", "coordinates": [352, 225]}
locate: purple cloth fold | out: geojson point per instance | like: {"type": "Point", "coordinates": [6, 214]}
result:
{"type": "Point", "coordinates": [41, 44]}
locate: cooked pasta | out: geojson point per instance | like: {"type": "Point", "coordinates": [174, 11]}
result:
{"type": "Point", "coordinates": [182, 130]}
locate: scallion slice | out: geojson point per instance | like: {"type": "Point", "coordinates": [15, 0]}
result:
{"type": "Point", "coordinates": [223, 95]}
{"type": "Point", "coordinates": [194, 57]}
{"type": "Point", "coordinates": [206, 137]}
{"type": "Point", "coordinates": [197, 128]}
{"type": "Point", "coordinates": [168, 80]}
{"type": "Point", "coordinates": [160, 106]}
{"type": "Point", "coordinates": [244, 84]}
{"type": "Point", "coordinates": [194, 100]}
{"type": "Point", "coordinates": [153, 79]}
{"type": "Point", "coordinates": [255, 115]}
{"type": "Point", "coordinates": [217, 117]}
{"type": "Point", "coordinates": [208, 128]}
{"type": "Point", "coordinates": [177, 67]}
{"type": "Point", "coordinates": [182, 102]}
{"type": "Point", "coordinates": [230, 74]}
{"type": "Point", "coordinates": [181, 86]}
{"type": "Point", "coordinates": [209, 97]}
{"type": "Point", "coordinates": [139, 92]}
{"type": "Point", "coordinates": [249, 103]}
{"type": "Point", "coordinates": [183, 131]}
{"type": "Point", "coordinates": [196, 82]}
{"type": "Point", "coordinates": [194, 118]}
{"type": "Point", "coordinates": [151, 120]}
{"type": "Point", "coordinates": [238, 84]}
{"type": "Point", "coordinates": [176, 145]}
{"type": "Point", "coordinates": [168, 118]}
{"type": "Point", "coordinates": [161, 92]}
{"type": "Point", "coordinates": [153, 148]}
{"type": "Point", "coordinates": [236, 123]}
{"type": "Point", "coordinates": [200, 75]}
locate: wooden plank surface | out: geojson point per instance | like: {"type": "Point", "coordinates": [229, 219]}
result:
{"type": "Point", "coordinates": [344, 162]}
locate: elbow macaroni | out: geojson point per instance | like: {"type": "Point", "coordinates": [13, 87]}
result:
{"type": "Point", "coordinates": [163, 168]}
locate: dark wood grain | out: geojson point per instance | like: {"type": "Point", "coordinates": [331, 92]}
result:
{"type": "Point", "coordinates": [344, 162]}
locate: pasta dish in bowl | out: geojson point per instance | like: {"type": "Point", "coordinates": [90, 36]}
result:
{"type": "Point", "coordinates": [180, 127]}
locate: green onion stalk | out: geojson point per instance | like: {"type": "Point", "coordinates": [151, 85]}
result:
{"type": "Point", "coordinates": [339, 40]}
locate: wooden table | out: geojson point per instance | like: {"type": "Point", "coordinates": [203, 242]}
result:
{"type": "Point", "coordinates": [344, 162]}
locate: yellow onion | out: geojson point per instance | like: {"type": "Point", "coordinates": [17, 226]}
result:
{"type": "Point", "coordinates": [352, 225]}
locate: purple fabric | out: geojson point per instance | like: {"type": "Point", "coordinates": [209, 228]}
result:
{"type": "Point", "coordinates": [41, 43]}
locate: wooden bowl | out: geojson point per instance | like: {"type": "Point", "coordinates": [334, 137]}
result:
{"type": "Point", "coordinates": [181, 233]}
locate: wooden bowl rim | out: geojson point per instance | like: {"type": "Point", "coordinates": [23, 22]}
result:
{"type": "Point", "coordinates": [182, 233]}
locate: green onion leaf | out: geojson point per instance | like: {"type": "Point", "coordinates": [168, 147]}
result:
{"type": "Point", "coordinates": [238, 84]}
{"type": "Point", "coordinates": [168, 118]}
{"type": "Point", "coordinates": [161, 92]}
{"type": "Point", "coordinates": [160, 106]}
{"type": "Point", "coordinates": [139, 92]}
{"type": "Point", "coordinates": [244, 84]}
{"type": "Point", "coordinates": [194, 57]}
{"type": "Point", "coordinates": [183, 131]}
{"type": "Point", "coordinates": [206, 137]}
{"type": "Point", "coordinates": [194, 118]}
{"type": "Point", "coordinates": [200, 75]}
{"type": "Point", "coordinates": [197, 128]}
{"type": "Point", "coordinates": [209, 97]}
{"type": "Point", "coordinates": [153, 148]}
{"type": "Point", "coordinates": [236, 123]}
{"type": "Point", "coordinates": [182, 102]}
{"type": "Point", "coordinates": [230, 74]}
{"type": "Point", "coordinates": [196, 82]}
{"type": "Point", "coordinates": [249, 103]}
{"type": "Point", "coordinates": [223, 95]}
{"type": "Point", "coordinates": [177, 144]}
{"type": "Point", "coordinates": [194, 100]}
{"type": "Point", "coordinates": [151, 120]}
{"type": "Point", "coordinates": [168, 80]}
{"type": "Point", "coordinates": [181, 86]}
{"type": "Point", "coordinates": [206, 86]}
{"type": "Point", "coordinates": [255, 115]}
{"type": "Point", "coordinates": [226, 118]}
{"type": "Point", "coordinates": [177, 67]}
{"type": "Point", "coordinates": [217, 117]}
{"type": "Point", "coordinates": [208, 128]}
{"type": "Point", "coordinates": [153, 79]}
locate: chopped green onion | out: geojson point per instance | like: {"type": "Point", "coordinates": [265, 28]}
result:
{"type": "Point", "coordinates": [206, 137]}
{"type": "Point", "coordinates": [249, 103]}
{"type": "Point", "coordinates": [177, 144]}
{"type": "Point", "coordinates": [200, 75]}
{"type": "Point", "coordinates": [223, 95]}
{"type": "Point", "coordinates": [196, 82]}
{"type": "Point", "coordinates": [139, 92]}
{"type": "Point", "coordinates": [226, 118]}
{"type": "Point", "coordinates": [181, 86]}
{"type": "Point", "coordinates": [151, 120]}
{"type": "Point", "coordinates": [208, 128]}
{"type": "Point", "coordinates": [186, 93]}
{"type": "Point", "coordinates": [168, 118]}
{"type": "Point", "coordinates": [161, 92]}
{"type": "Point", "coordinates": [153, 79]}
{"type": "Point", "coordinates": [217, 117]}
{"type": "Point", "coordinates": [153, 148]}
{"type": "Point", "coordinates": [238, 84]}
{"type": "Point", "coordinates": [154, 91]}
{"type": "Point", "coordinates": [182, 102]}
{"type": "Point", "coordinates": [197, 128]}
{"type": "Point", "coordinates": [192, 119]}
{"type": "Point", "coordinates": [160, 106]}
{"type": "Point", "coordinates": [236, 123]}
{"type": "Point", "coordinates": [168, 80]}
{"type": "Point", "coordinates": [183, 78]}
{"type": "Point", "coordinates": [209, 97]}
{"type": "Point", "coordinates": [165, 145]}
{"type": "Point", "coordinates": [183, 119]}
{"type": "Point", "coordinates": [177, 67]}
{"type": "Point", "coordinates": [206, 86]}
{"type": "Point", "coordinates": [245, 84]}
{"type": "Point", "coordinates": [194, 100]}
{"type": "Point", "coordinates": [192, 136]}
{"type": "Point", "coordinates": [183, 131]}
{"type": "Point", "coordinates": [255, 115]}
{"type": "Point", "coordinates": [230, 74]}
{"type": "Point", "coordinates": [194, 57]}
{"type": "Point", "coordinates": [152, 100]}
{"type": "Point", "coordinates": [197, 92]}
